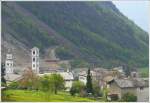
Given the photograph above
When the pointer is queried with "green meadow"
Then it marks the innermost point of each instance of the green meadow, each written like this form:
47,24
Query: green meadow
39,96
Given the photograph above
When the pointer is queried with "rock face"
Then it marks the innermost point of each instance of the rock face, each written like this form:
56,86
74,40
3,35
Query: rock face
95,32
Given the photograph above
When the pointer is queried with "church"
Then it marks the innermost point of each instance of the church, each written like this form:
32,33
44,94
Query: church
40,67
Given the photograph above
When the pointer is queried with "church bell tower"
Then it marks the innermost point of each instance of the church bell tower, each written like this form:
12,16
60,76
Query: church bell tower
35,59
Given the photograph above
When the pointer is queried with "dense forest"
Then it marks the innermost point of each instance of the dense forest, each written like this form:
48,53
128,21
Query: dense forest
85,32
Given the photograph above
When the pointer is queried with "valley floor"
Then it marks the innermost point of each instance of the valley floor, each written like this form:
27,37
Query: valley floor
34,96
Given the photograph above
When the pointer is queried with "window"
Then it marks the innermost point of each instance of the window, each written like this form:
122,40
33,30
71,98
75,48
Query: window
33,52
141,88
134,74
33,65
34,59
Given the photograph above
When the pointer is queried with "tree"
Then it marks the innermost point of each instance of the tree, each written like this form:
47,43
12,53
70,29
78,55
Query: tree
89,87
3,74
45,86
105,93
52,83
127,70
129,97
29,80
96,89
57,82
13,85
77,87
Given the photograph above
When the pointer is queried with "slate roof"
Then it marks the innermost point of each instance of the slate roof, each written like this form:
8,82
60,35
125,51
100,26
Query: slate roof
124,83
65,75
141,82
12,77
128,83
108,78
35,48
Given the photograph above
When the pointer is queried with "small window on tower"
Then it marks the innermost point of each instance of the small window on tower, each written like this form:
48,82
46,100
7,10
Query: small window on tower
33,65
33,52
34,59
7,64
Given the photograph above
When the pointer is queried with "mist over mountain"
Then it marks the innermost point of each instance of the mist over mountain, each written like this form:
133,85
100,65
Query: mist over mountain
89,32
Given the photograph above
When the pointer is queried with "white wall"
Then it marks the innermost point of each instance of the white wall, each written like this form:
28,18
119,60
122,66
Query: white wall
68,84
82,79
143,94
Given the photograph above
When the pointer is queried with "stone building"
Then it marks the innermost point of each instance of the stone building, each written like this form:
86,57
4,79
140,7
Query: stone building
67,76
49,66
10,69
136,86
9,63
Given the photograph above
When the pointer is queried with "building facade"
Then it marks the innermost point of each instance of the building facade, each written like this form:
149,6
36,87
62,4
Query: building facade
137,87
9,64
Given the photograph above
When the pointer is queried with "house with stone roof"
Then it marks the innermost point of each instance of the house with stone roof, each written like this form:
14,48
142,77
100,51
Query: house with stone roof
67,76
137,86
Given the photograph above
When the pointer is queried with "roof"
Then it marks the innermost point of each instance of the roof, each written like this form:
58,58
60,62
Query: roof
84,73
65,75
35,48
13,77
128,83
141,82
108,78
124,83
2,88
50,60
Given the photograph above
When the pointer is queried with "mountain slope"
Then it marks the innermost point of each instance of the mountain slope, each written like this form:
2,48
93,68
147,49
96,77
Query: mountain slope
95,32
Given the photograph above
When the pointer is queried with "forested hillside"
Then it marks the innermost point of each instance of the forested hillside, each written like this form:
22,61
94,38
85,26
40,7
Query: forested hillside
85,32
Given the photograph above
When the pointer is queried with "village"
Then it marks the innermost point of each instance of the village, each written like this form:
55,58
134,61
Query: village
113,81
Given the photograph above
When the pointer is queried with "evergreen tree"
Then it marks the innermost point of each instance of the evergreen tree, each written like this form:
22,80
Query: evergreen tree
89,87
127,69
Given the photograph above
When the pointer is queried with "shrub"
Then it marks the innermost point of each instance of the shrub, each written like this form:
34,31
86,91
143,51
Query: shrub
83,93
72,91
114,97
52,83
13,85
129,97
77,87
29,80
96,89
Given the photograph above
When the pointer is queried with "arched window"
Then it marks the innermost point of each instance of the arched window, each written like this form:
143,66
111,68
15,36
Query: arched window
33,52
33,59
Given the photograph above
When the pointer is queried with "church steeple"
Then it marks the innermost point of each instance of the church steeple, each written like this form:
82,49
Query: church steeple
35,59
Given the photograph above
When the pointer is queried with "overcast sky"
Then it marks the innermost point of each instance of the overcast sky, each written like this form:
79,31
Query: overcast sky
137,11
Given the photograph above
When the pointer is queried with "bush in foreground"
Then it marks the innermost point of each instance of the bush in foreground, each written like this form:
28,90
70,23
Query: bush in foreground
77,88
129,97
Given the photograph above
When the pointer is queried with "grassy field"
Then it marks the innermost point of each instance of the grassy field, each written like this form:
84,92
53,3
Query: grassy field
144,72
34,96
